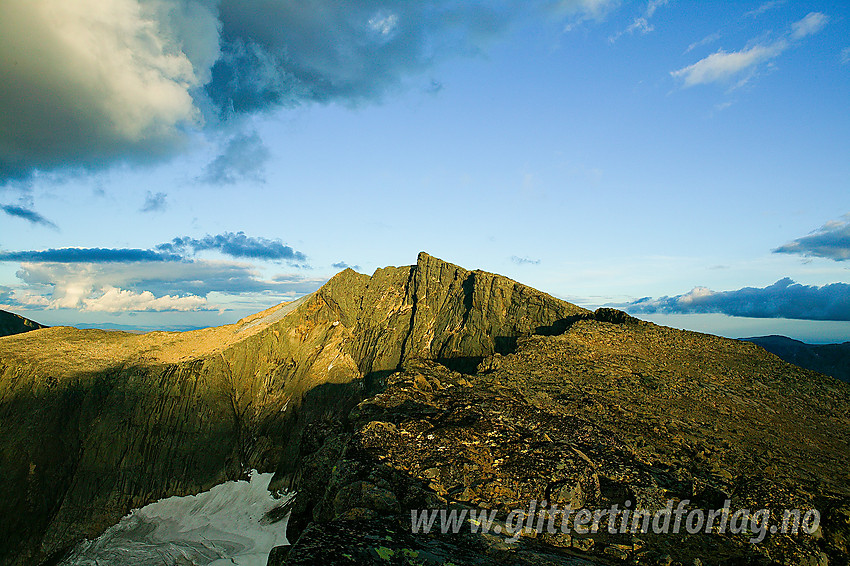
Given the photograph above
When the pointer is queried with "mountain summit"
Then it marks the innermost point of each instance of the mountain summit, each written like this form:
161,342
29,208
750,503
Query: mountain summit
96,423
426,387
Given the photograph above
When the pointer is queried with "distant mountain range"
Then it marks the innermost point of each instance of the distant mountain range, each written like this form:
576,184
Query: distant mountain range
830,359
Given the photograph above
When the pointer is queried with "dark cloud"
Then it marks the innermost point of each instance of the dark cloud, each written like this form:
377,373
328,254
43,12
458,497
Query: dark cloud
27,214
343,265
236,245
283,53
243,158
90,255
524,260
831,241
154,202
783,299
132,84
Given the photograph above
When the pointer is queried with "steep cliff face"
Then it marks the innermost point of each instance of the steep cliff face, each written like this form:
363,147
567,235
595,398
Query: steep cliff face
95,423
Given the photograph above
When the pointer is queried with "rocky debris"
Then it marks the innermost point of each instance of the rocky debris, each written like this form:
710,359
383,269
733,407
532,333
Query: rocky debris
614,410
11,323
96,423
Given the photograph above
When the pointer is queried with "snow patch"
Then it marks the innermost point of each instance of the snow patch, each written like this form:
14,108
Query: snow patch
225,525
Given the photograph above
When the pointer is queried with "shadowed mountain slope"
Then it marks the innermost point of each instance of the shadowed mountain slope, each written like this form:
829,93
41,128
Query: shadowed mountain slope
829,359
11,323
96,423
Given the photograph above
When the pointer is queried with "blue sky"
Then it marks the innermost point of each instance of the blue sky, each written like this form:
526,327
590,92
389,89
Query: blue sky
207,159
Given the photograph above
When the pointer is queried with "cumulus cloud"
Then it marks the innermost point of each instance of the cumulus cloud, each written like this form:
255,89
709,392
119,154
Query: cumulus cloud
524,260
243,158
154,202
121,300
783,299
144,286
831,241
739,66
89,83
236,245
27,214
94,81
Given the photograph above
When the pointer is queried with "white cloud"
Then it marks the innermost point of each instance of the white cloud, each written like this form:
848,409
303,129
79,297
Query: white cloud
653,6
811,24
845,56
641,24
383,24
150,286
723,66
122,300
704,41
86,287
767,6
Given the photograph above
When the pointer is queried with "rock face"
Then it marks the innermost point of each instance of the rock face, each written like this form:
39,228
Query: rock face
11,323
96,423
605,413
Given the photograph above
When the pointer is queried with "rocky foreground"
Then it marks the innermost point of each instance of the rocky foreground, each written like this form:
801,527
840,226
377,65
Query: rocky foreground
610,411
425,387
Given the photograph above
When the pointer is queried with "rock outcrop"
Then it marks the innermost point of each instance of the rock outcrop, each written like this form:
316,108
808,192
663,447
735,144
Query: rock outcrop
96,423
620,413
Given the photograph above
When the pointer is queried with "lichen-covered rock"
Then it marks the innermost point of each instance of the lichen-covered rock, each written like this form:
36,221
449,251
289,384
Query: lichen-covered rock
625,413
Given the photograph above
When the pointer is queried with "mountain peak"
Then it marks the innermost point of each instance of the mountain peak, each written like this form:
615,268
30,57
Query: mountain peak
223,400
